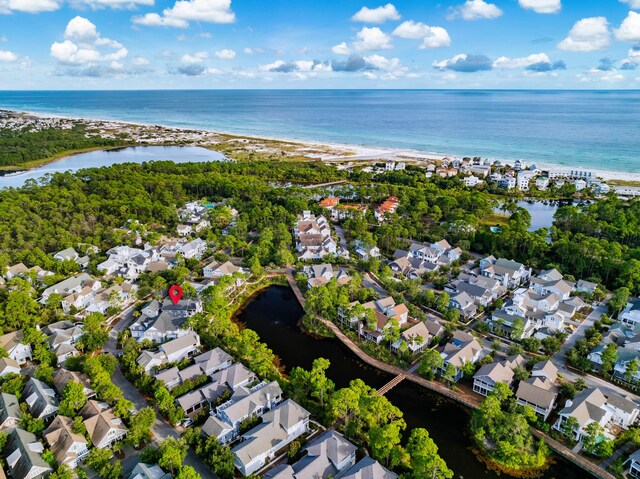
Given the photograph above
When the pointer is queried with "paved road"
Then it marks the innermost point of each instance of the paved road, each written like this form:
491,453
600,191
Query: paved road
161,429
369,282
592,381
343,239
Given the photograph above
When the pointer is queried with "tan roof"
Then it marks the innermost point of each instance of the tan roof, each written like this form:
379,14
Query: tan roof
11,340
538,392
99,420
60,436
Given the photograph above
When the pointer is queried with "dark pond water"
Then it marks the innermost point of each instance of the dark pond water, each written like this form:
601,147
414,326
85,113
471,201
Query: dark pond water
96,159
274,314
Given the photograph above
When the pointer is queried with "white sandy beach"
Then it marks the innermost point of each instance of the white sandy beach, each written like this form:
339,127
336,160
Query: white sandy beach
336,152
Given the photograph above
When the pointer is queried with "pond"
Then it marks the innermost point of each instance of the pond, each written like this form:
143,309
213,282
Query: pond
274,314
542,212
96,159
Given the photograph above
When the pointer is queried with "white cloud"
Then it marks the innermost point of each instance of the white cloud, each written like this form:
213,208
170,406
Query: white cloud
83,45
225,54
376,15
28,6
194,58
587,35
476,10
117,4
185,11
598,75
511,63
629,30
7,56
140,61
341,49
541,6
370,39
388,68
632,3
432,37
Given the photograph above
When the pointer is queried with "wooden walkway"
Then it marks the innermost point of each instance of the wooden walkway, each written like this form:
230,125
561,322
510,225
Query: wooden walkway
470,401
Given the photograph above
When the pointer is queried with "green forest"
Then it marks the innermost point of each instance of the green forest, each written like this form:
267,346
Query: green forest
597,242
19,146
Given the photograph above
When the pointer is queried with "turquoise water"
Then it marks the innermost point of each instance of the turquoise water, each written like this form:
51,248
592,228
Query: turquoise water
587,129
96,159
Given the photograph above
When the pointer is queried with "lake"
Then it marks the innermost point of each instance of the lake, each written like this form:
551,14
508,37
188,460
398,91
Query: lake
96,159
274,314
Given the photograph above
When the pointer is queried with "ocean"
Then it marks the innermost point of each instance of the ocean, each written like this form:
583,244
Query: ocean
581,129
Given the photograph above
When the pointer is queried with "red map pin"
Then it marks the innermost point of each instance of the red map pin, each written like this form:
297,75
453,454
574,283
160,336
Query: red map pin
175,293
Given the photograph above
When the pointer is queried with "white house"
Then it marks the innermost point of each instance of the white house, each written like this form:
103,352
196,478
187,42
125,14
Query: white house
67,447
104,427
280,426
17,350
24,456
631,313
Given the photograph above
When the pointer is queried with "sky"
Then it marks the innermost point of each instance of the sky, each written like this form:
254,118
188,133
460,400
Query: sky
192,44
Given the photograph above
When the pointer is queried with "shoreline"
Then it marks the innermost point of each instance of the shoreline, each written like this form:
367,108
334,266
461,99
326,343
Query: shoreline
339,152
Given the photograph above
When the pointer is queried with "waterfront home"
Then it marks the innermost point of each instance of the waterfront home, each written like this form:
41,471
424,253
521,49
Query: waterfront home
104,427
67,447
216,269
13,343
368,468
321,274
591,405
365,251
148,471
539,391
510,273
415,339
542,183
40,398
631,313
385,310
62,376
10,413
325,457
23,454
539,394
9,366
486,378
245,403
280,426
461,349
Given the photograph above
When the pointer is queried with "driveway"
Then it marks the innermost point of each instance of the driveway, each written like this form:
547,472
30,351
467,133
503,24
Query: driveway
161,429
340,233
369,282
592,381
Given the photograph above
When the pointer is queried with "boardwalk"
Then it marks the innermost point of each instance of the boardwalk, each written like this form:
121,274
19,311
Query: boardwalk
470,401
